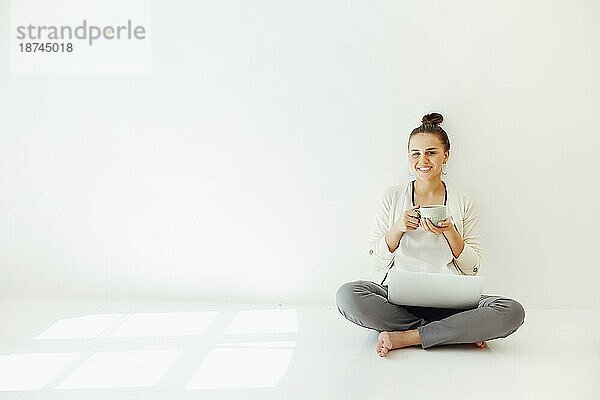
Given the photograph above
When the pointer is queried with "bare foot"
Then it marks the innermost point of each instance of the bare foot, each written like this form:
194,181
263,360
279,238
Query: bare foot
481,345
396,340
384,344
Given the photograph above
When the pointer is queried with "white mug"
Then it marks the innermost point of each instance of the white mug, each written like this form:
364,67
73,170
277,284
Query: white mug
435,213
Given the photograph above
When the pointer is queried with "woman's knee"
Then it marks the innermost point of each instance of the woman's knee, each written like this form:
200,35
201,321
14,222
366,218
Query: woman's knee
348,294
519,311
515,315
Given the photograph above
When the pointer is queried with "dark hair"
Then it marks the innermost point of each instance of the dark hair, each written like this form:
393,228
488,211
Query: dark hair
430,124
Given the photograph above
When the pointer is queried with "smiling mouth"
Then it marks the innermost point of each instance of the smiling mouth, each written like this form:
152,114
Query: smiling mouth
425,169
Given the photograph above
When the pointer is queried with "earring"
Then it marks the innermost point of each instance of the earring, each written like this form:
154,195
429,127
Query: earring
444,169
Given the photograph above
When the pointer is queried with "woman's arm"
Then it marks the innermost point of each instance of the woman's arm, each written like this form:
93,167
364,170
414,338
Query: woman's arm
379,252
392,238
471,257
456,242
467,251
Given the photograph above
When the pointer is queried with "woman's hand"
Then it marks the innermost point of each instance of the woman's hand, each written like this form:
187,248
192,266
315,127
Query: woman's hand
409,221
444,226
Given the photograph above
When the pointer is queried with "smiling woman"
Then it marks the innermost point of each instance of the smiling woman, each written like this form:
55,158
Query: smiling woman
404,240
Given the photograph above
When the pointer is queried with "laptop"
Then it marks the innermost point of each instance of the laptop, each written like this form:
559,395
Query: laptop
439,290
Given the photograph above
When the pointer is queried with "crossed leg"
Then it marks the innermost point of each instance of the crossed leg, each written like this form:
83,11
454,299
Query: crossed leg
365,303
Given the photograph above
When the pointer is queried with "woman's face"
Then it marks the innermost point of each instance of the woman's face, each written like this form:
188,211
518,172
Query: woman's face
426,156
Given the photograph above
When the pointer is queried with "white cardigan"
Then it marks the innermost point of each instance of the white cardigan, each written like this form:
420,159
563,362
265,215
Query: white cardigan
465,216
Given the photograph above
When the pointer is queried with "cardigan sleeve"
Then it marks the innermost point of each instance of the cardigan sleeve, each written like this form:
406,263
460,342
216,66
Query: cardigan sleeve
471,258
380,256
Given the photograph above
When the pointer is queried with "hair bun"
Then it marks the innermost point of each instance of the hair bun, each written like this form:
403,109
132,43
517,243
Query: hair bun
433,118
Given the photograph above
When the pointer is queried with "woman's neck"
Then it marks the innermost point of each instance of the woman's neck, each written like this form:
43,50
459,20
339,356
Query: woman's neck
429,188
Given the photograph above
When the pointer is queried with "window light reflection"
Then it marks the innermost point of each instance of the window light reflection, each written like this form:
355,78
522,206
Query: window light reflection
119,369
264,321
241,367
32,371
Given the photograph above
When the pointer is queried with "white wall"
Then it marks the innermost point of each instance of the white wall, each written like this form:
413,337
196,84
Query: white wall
248,164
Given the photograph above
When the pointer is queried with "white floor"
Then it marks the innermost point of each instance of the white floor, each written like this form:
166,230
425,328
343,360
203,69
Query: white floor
58,349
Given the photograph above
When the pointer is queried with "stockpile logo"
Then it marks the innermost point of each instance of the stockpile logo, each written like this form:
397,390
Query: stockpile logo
86,32
59,37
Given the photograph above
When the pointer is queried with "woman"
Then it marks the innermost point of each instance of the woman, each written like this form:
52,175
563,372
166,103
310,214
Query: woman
402,239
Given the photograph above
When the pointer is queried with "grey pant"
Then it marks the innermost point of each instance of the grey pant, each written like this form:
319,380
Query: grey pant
365,303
